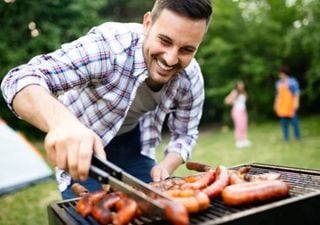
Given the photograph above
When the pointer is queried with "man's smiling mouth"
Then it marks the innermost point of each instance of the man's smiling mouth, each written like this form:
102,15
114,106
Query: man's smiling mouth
163,66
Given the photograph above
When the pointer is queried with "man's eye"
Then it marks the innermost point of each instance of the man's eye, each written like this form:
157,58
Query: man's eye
165,42
188,51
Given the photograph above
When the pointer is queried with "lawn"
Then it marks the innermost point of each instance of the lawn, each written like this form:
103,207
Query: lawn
215,146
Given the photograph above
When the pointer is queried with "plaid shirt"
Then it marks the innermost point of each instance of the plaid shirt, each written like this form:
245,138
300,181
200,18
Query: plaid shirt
97,77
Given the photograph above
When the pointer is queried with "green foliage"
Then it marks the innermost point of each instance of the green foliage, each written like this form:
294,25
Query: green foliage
29,28
247,39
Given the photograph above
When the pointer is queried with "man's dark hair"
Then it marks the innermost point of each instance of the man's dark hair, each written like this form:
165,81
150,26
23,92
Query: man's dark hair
284,69
194,9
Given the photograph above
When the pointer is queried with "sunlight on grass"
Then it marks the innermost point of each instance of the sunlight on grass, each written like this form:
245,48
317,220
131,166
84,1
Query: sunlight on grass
216,147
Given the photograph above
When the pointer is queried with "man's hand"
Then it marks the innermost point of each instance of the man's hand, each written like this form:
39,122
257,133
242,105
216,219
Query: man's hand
166,167
70,147
159,173
69,144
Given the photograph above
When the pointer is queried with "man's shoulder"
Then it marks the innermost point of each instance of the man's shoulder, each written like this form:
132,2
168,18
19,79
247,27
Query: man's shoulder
192,73
117,28
119,31
193,68
292,78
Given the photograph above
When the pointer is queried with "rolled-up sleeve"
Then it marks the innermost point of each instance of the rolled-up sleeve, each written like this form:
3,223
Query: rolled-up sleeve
72,66
184,120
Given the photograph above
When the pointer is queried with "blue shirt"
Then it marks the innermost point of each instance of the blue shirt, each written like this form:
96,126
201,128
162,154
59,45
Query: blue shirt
292,83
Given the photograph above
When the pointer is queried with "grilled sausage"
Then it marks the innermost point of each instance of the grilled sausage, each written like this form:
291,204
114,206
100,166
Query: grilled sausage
203,200
256,191
101,214
263,176
85,204
169,183
79,190
200,167
191,203
126,210
186,197
194,201
175,212
201,182
235,178
221,181
101,211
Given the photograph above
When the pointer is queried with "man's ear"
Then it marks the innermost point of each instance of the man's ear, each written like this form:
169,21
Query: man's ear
147,22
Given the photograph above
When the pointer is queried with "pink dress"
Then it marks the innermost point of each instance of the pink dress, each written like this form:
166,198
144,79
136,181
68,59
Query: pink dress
240,117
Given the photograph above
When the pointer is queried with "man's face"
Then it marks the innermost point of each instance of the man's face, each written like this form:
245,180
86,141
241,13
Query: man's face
170,44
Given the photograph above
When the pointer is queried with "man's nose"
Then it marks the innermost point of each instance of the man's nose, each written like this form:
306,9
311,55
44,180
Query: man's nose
171,57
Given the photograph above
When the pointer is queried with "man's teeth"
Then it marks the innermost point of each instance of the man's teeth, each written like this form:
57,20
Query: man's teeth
164,67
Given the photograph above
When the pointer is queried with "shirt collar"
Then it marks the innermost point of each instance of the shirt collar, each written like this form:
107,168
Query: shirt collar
140,66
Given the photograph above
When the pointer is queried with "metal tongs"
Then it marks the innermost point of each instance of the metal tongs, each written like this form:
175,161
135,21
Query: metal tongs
108,173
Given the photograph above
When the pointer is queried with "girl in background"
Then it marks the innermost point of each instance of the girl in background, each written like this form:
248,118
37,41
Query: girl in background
237,99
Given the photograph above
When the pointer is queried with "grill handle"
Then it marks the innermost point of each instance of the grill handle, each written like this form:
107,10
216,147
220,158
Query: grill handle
107,167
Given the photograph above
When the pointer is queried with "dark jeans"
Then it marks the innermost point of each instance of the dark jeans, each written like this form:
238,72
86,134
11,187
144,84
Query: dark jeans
124,151
285,127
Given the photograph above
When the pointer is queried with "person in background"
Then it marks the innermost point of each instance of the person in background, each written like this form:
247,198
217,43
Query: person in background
287,101
109,92
237,99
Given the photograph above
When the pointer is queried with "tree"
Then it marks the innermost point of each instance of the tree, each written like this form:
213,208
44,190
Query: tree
249,40
33,27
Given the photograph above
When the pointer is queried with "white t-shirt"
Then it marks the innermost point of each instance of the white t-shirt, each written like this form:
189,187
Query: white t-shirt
240,102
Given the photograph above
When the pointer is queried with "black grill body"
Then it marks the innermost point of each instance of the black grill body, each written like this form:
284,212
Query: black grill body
301,207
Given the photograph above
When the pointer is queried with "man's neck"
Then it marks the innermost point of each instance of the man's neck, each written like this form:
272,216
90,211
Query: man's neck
153,85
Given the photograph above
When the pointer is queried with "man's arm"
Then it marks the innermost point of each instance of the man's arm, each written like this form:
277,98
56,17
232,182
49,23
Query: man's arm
296,103
69,144
166,167
183,123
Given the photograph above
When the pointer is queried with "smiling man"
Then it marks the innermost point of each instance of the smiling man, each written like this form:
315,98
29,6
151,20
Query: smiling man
109,92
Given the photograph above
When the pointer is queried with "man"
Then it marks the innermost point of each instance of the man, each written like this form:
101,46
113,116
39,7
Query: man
115,87
287,101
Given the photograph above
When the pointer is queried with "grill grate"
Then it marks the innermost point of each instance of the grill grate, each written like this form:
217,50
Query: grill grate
303,184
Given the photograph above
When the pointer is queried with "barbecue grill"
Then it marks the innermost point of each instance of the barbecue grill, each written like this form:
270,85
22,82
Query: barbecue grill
301,207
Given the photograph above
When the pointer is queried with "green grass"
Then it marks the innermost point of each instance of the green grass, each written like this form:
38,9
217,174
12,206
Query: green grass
215,147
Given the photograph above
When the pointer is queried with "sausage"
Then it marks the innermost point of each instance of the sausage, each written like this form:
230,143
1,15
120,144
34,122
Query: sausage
244,170
203,200
191,203
101,211
194,201
256,191
126,210
235,178
200,167
186,197
84,205
175,212
101,214
203,181
79,190
167,184
221,181
263,176
238,176
192,178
